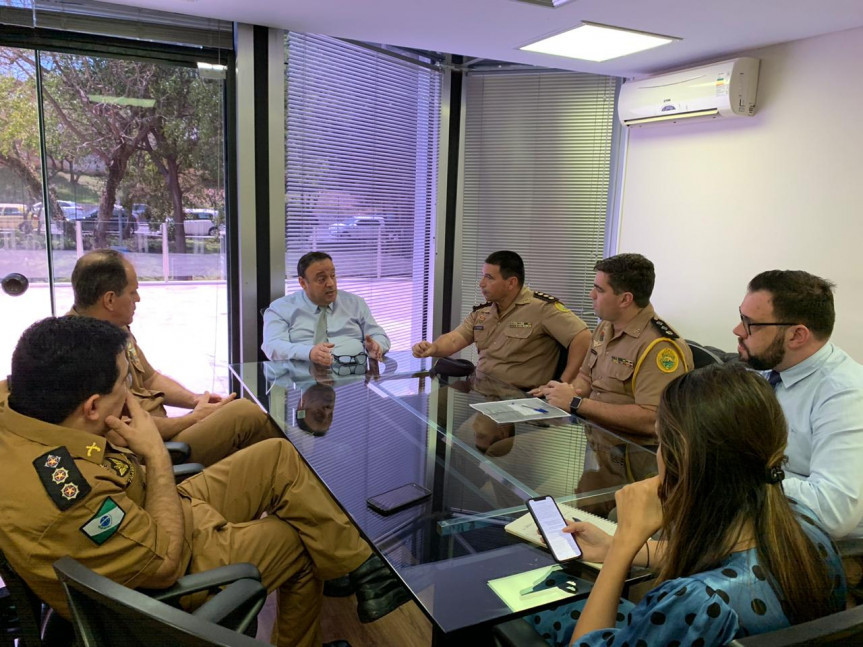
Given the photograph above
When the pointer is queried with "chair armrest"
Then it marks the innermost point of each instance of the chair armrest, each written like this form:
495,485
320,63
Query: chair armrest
516,633
206,581
185,470
179,451
236,607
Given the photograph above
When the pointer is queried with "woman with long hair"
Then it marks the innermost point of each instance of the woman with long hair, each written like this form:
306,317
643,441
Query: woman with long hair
737,557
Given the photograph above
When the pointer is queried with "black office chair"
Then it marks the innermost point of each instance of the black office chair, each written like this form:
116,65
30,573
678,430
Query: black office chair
704,355
842,628
107,614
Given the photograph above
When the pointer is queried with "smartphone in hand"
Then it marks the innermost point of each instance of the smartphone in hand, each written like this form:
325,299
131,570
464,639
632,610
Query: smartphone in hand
551,523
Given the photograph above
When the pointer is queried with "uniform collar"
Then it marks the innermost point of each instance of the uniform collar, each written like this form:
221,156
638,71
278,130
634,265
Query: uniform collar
635,327
524,296
80,444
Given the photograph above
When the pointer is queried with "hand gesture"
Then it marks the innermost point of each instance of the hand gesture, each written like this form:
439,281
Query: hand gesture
373,348
322,353
639,511
214,397
138,432
205,404
422,349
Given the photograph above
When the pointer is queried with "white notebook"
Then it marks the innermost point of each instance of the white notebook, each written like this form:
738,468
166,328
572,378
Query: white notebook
525,527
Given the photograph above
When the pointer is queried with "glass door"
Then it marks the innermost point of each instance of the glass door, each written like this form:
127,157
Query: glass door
24,238
133,155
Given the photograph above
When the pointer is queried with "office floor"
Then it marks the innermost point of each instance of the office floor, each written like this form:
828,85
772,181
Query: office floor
404,627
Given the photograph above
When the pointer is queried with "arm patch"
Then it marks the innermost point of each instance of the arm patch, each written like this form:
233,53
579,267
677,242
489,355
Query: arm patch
61,478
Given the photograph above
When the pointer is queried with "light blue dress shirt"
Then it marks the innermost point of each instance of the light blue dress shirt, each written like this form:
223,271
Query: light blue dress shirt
822,398
290,323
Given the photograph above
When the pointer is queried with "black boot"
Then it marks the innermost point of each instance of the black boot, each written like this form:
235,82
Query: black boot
341,587
379,591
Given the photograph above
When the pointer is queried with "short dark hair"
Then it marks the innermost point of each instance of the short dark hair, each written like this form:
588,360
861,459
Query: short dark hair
510,264
308,259
799,297
629,273
61,361
96,273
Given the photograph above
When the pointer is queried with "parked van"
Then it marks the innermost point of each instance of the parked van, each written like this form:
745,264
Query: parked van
15,216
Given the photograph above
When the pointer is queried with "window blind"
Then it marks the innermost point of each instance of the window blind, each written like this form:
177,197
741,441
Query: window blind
537,157
361,158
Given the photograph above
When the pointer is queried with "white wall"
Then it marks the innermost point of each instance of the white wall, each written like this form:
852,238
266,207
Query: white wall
714,203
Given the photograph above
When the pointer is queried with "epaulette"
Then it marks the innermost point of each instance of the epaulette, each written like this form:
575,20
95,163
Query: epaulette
545,297
664,328
61,478
481,305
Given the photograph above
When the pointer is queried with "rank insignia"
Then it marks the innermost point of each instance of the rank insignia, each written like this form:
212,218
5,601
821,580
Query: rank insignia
102,526
667,360
119,466
520,324
64,485
60,475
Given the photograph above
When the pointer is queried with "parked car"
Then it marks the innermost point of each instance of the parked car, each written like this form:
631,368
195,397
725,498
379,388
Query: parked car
358,227
15,216
201,222
119,224
71,210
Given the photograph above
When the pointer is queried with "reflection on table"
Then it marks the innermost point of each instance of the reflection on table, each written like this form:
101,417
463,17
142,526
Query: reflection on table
364,432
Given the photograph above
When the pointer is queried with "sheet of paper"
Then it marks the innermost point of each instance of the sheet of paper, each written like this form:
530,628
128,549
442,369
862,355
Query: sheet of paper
533,588
520,410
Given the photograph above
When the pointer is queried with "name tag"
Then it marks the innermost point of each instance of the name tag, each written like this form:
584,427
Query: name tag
478,328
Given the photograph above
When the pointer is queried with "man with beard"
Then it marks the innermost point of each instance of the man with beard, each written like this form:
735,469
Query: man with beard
786,320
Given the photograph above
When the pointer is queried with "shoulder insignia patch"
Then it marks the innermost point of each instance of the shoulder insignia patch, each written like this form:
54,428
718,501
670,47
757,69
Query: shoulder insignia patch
667,360
664,328
102,526
118,465
561,307
61,478
481,305
545,297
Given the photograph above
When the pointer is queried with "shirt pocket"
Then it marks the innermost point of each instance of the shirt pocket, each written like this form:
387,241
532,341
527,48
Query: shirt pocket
620,372
516,334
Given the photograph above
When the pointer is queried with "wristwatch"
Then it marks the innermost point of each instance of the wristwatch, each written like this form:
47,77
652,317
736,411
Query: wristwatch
574,404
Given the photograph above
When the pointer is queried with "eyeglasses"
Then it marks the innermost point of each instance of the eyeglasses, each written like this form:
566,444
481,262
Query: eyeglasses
350,364
748,323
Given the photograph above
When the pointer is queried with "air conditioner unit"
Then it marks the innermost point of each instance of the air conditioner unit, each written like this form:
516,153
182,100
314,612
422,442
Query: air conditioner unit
725,89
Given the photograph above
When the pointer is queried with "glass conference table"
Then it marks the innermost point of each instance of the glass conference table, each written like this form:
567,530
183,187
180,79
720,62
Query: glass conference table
365,433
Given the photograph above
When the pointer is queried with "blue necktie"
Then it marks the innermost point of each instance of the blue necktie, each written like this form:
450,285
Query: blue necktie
774,378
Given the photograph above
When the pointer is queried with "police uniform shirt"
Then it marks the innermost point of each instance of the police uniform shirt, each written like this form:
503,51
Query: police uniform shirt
141,371
69,492
635,365
520,346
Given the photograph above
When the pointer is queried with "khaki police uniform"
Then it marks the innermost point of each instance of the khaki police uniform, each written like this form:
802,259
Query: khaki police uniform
520,345
630,367
69,492
235,425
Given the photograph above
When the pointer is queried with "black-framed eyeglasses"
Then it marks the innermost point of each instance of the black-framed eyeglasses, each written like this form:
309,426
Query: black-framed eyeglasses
748,323
349,364
347,360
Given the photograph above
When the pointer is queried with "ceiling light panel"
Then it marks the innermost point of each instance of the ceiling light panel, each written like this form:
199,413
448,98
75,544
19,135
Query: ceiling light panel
593,42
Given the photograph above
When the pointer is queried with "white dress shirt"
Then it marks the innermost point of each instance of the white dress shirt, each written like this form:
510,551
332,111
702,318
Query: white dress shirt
822,398
290,323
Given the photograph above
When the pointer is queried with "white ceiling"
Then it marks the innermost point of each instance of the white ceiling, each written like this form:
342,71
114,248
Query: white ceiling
494,29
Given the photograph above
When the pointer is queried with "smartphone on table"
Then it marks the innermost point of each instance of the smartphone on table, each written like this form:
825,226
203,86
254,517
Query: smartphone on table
550,522
398,498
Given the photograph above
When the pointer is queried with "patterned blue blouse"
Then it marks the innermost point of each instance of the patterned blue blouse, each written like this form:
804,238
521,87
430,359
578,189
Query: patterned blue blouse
710,608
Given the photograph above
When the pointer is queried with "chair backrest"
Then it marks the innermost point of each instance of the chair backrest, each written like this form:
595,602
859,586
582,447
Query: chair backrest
107,614
703,356
842,628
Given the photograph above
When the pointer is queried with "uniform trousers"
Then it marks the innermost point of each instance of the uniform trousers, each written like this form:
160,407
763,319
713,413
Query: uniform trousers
303,540
240,423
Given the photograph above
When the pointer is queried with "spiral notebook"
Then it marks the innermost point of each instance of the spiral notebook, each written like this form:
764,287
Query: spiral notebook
525,527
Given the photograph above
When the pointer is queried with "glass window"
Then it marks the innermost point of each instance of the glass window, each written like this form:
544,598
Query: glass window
361,158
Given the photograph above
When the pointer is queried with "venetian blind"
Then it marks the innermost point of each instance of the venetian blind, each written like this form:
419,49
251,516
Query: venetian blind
537,159
361,159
